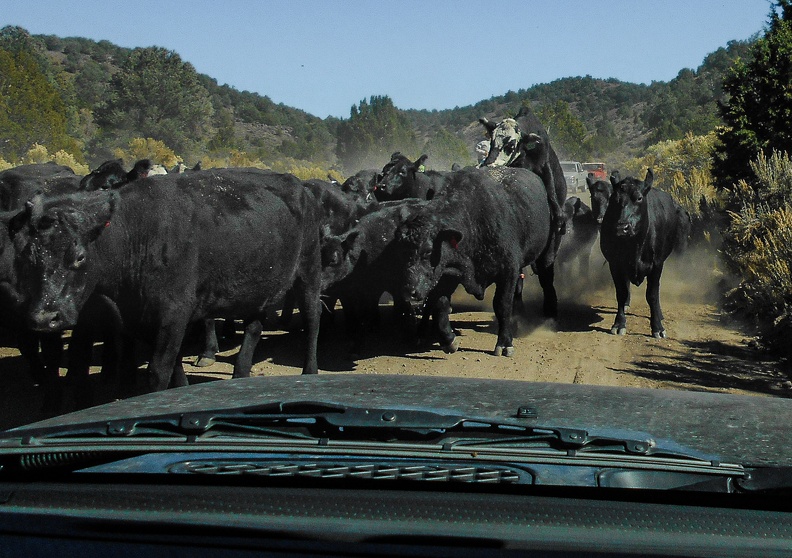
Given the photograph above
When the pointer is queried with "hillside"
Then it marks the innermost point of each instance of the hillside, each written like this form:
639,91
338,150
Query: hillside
588,118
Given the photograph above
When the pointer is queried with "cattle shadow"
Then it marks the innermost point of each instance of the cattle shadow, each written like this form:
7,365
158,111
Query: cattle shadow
714,366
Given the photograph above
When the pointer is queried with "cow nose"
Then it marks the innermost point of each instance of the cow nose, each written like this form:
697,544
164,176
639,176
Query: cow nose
44,320
623,229
599,220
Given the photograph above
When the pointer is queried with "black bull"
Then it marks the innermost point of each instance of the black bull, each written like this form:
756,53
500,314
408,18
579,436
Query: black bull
640,229
173,249
482,229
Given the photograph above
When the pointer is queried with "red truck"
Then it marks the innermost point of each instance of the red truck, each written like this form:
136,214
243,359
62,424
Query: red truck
597,169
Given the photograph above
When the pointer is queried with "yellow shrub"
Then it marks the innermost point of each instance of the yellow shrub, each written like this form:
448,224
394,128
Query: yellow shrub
148,148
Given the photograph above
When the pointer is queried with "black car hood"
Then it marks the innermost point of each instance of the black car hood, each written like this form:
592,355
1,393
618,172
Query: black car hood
749,430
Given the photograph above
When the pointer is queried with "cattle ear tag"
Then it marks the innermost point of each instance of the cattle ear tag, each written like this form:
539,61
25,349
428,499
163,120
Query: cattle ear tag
454,241
107,224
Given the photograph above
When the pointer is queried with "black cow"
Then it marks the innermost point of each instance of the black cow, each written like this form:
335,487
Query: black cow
582,231
43,351
173,249
600,191
111,174
402,178
361,185
482,229
641,227
363,263
523,143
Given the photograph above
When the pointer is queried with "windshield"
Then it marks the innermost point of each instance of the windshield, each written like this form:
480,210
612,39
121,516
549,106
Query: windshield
210,213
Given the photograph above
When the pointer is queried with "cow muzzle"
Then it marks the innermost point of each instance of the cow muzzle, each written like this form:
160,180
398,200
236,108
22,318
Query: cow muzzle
46,321
624,229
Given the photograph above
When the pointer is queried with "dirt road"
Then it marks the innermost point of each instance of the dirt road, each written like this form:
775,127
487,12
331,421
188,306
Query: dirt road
704,351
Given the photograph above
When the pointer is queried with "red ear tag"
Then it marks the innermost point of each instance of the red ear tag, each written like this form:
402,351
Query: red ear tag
107,224
454,242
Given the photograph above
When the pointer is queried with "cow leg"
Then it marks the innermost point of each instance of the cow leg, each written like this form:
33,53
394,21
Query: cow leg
622,285
310,304
546,276
502,304
244,360
164,361
210,346
653,298
440,313
517,305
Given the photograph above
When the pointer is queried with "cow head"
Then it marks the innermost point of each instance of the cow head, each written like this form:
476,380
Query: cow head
431,249
53,238
505,139
398,177
340,253
600,194
511,146
626,215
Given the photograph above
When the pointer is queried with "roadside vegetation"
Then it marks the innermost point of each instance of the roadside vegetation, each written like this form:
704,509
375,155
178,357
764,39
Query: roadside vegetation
716,136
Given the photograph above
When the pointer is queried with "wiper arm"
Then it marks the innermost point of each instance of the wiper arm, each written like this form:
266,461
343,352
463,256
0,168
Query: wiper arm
321,420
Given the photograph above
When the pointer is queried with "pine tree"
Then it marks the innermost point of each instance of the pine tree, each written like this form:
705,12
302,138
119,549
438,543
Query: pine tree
758,113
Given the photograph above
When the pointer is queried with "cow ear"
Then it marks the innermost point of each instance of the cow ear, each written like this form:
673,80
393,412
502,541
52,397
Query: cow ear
101,217
451,236
489,126
648,181
421,160
614,178
530,141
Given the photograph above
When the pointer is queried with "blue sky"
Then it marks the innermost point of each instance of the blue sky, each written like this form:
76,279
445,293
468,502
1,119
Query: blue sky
325,56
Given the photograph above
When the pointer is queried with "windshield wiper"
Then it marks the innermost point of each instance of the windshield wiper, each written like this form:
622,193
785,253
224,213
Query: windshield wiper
322,421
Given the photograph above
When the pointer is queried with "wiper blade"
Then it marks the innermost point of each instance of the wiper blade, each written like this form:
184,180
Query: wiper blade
310,420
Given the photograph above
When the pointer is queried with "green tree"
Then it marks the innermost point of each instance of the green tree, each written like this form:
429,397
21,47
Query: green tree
375,129
758,112
568,134
154,94
31,110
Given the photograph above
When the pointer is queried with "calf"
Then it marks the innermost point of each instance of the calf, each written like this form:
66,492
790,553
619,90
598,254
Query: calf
484,228
640,229
173,249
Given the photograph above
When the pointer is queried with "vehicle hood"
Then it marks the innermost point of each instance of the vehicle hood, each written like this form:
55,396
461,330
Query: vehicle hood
750,430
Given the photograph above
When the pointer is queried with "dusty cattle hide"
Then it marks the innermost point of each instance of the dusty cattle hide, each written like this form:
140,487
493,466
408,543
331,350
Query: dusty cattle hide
174,249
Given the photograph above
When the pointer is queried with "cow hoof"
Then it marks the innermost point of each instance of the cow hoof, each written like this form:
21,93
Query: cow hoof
503,351
204,361
452,347
618,330
659,334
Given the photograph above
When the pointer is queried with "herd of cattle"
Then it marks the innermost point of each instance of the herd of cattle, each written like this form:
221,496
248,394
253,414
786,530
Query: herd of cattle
121,256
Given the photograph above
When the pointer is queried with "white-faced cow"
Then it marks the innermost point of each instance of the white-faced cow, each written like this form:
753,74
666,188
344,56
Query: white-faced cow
640,229
482,229
174,249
